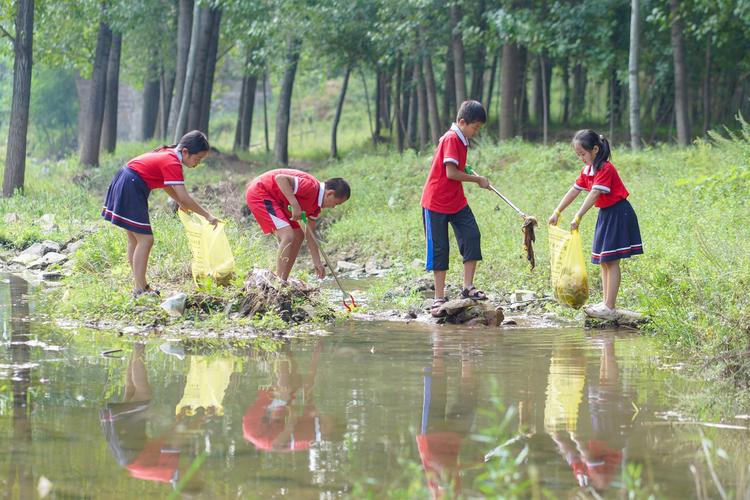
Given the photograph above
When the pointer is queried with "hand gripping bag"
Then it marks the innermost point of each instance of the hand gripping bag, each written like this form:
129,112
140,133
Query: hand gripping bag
570,282
212,255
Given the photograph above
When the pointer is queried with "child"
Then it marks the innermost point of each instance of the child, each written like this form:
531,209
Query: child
443,202
269,197
126,204
617,235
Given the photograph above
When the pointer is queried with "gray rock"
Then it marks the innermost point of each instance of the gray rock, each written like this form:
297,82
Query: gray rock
73,246
522,296
343,265
12,218
51,275
454,306
47,222
47,260
51,246
417,263
175,305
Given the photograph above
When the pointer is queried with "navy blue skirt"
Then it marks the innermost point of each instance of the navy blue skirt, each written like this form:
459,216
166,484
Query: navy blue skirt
617,235
126,204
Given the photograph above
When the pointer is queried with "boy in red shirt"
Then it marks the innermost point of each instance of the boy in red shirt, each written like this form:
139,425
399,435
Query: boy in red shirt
443,203
269,197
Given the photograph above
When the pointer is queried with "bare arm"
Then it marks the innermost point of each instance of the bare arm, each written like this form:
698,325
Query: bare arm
454,174
286,185
312,246
186,202
571,195
587,204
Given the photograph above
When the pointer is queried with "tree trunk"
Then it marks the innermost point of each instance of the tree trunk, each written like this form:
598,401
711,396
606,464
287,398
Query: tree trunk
339,109
707,88
265,112
378,102
15,156
398,111
281,142
566,93
477,74
166,88
545,96
182,115
432,104
635,96
367,101
198,87
457,46
245,113
449,96
411,123
422,121
151,90
93,129
208,83
522,113
109,124
240,115
184,34
509,91
680,76
491,88
579,90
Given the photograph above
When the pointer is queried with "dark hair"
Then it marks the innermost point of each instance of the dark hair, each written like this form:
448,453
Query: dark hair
194,141
587,138
340,188
471,112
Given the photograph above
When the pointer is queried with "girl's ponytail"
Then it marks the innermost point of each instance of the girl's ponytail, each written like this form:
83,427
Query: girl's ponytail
587,138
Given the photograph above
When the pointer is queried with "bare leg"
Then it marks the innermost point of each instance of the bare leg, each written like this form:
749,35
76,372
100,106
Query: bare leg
439,284
605,278
137,387
613,282
131,247
142,250
470,267
290,241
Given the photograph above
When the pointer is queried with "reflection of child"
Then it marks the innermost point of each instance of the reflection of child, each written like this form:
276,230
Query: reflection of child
275,423
442,431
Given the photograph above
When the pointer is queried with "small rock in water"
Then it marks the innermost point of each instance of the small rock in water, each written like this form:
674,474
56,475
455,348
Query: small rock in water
175,305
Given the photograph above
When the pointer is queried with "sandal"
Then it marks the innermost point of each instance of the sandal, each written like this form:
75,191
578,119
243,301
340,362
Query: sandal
473,293
435,308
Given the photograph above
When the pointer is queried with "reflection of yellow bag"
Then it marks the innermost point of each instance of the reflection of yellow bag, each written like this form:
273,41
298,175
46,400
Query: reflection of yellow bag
565,383
207,381
568,269
212,255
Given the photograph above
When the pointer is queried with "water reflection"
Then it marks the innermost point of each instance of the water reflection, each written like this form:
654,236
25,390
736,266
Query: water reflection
20,473
444,428
594,449
284,416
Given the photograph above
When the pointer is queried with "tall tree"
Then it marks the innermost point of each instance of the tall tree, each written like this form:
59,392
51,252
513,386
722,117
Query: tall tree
337,115
201,42
680,74
92,134
184,33
15,156
152,91
211,58
509,77
457,46
111,94
635,96
281,142
181,126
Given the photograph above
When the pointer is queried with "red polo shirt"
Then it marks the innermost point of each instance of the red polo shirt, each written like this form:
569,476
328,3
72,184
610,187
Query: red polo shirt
441,194
159,168
606,180
308,190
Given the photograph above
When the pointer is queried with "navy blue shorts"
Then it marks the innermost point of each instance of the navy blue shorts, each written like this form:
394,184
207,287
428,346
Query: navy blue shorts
436,233
617,235
126,204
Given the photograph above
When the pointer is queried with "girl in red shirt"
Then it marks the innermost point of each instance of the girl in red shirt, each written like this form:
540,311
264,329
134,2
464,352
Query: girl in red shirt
126,204
617,235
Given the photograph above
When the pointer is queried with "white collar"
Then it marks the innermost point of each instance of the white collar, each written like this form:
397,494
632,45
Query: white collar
589,170
179,154
321,193
460,134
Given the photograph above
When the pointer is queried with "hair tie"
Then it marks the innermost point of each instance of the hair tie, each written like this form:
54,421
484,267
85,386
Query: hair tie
601,137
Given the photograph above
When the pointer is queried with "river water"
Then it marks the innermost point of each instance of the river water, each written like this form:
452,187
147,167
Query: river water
376,408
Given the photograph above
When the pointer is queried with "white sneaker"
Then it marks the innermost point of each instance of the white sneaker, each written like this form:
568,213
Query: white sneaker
594,307
603,312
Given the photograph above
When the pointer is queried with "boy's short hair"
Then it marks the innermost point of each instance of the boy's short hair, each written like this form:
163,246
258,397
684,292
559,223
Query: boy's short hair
340,187
471,112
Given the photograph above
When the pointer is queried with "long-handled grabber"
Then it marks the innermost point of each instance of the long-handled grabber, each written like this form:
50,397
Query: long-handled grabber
345,296
529,221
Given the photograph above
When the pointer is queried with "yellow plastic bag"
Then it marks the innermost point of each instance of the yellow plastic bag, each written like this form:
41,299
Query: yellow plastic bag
212,255
570,281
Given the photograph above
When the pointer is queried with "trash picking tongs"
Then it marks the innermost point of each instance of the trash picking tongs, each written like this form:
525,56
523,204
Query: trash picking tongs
529,221
345,296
